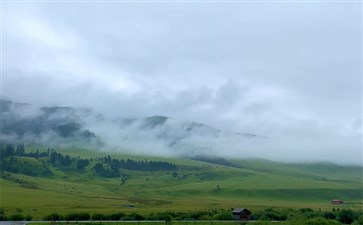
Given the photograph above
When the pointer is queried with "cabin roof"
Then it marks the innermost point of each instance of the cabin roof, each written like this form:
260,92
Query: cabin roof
239,210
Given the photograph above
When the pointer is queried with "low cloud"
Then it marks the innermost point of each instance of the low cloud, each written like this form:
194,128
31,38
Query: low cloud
291,74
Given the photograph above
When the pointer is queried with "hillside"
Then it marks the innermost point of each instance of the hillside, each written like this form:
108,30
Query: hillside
61,181
67,126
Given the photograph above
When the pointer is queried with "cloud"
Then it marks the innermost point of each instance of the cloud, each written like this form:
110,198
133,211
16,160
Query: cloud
274,69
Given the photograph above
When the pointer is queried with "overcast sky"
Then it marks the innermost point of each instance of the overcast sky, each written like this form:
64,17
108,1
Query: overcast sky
284,69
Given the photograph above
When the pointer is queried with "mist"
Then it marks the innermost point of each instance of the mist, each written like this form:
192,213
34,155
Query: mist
167,137
288,73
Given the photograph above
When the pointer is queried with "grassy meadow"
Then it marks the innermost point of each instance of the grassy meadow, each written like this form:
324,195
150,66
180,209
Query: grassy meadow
194,185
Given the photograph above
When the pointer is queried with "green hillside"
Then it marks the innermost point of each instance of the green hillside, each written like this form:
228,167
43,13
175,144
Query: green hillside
38,183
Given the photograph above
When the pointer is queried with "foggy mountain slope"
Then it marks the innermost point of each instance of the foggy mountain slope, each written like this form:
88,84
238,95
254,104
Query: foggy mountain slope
155,135
47,125
181,137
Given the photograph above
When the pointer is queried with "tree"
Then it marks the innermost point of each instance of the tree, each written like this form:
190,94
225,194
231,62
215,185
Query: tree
16,217
9,151
67,161
82,163
98,216
329,215
358,221
20,150
346,216
2,215
223,215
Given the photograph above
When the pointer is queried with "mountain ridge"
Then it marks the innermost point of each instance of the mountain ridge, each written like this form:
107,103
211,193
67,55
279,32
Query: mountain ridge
60,125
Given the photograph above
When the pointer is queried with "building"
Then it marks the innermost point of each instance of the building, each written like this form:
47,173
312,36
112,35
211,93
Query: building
337,202
241,214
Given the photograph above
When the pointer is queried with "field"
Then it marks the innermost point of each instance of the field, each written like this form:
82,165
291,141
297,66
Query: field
194,185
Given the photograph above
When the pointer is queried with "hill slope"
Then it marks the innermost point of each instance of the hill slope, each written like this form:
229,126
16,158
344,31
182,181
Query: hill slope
190,185
66,126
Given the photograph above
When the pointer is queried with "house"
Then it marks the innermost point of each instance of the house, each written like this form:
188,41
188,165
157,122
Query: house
241,214
337,202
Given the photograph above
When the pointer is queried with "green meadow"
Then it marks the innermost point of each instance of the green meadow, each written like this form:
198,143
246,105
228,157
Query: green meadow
194,185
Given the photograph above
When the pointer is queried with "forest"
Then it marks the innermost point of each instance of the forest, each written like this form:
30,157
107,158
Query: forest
11,161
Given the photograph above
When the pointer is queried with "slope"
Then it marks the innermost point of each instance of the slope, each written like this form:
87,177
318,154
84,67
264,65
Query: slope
193,185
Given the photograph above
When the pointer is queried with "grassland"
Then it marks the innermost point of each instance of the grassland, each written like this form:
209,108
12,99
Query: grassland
194,185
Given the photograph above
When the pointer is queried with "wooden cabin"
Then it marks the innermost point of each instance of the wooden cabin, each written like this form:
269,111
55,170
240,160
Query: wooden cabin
241,214
337,202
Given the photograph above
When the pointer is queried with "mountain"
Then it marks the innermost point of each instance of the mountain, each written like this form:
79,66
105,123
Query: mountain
159,135
22,122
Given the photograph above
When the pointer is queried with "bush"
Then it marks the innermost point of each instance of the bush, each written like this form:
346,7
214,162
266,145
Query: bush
307,212
329,215
83,216
28,217
2,215
152,216
71,216
16,217
205,217
136,216
261,222
321,221
223,215
358,221
196,215
53,217
99,216
346,216
127,218
273,214
117,216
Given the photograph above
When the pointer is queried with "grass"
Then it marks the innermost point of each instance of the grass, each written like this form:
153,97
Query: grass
257,184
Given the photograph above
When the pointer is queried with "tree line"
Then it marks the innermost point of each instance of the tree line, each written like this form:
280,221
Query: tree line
103,166
110,167
303,216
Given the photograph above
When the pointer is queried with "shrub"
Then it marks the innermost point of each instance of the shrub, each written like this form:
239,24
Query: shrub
71,216
16,217
53,217
308,213
28,217
127,218
329,215
346,216
2,215
83,216
223,215
152,216
273,214
358,221
261,222
137,216
99,216
205,217
117,216
321,221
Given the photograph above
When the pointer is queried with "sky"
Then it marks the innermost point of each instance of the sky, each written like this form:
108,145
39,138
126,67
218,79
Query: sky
289,71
